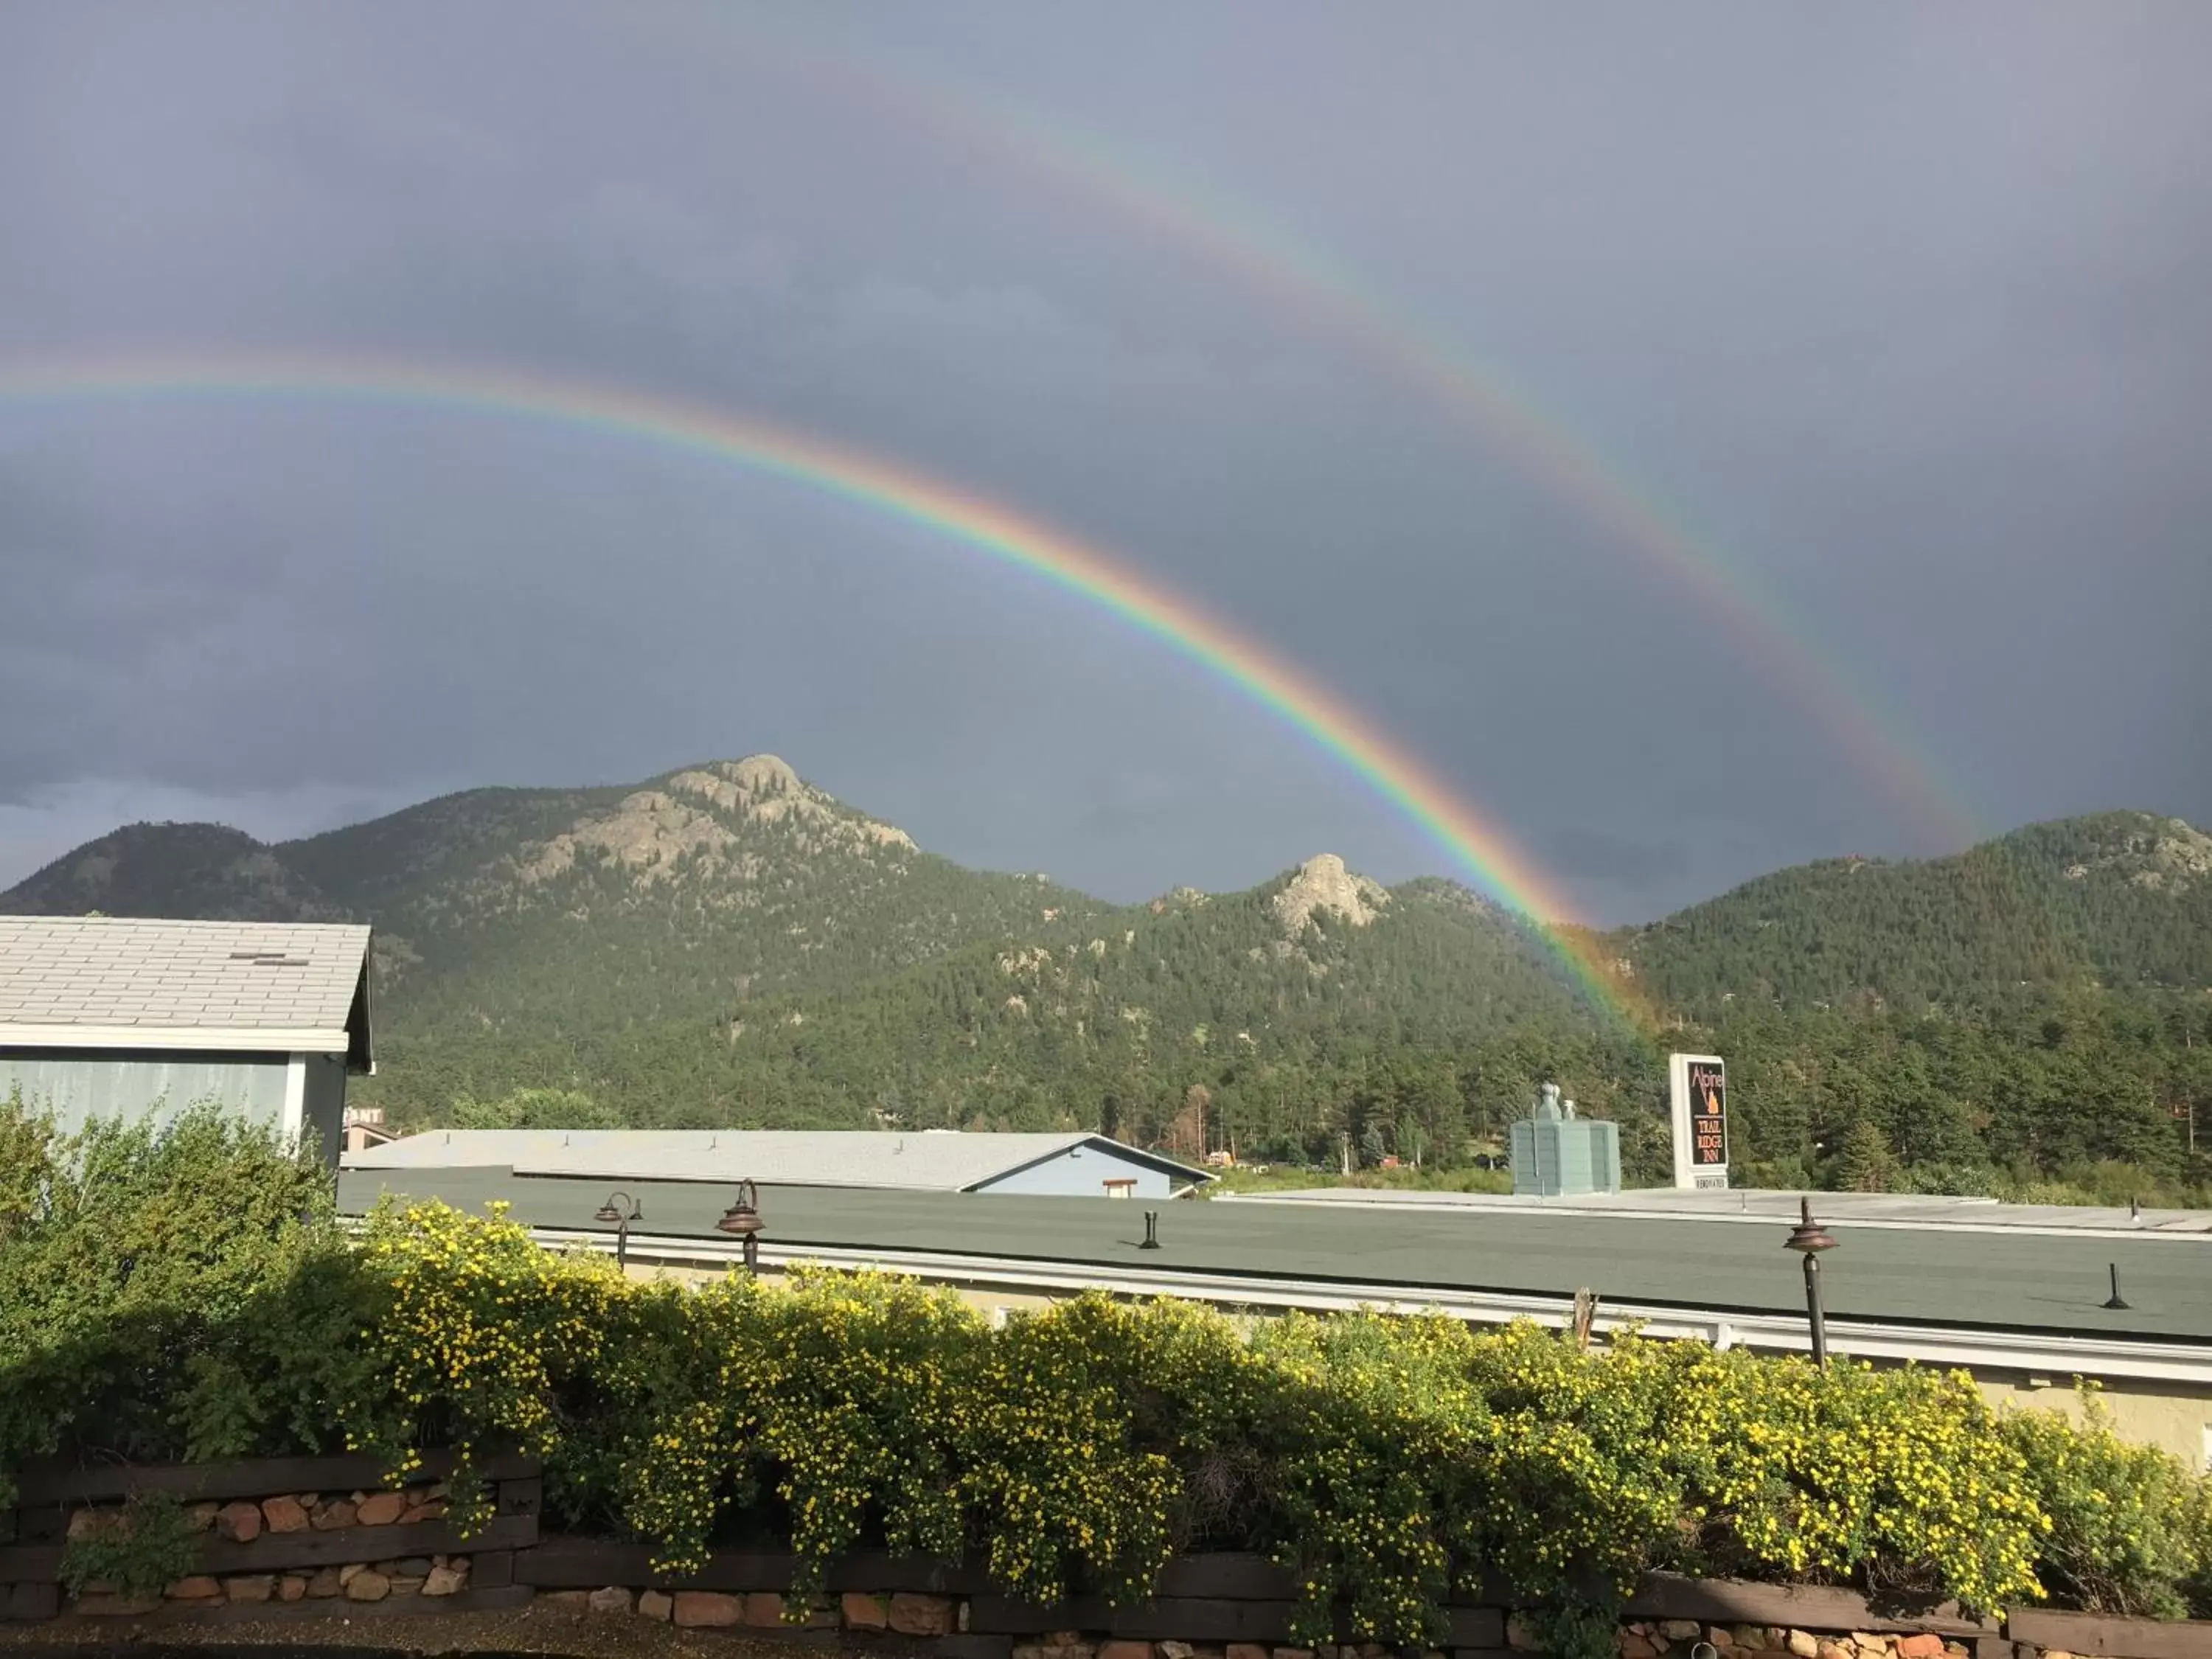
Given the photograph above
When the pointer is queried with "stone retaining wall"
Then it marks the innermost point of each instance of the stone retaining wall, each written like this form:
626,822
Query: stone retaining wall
311,1536
274,1533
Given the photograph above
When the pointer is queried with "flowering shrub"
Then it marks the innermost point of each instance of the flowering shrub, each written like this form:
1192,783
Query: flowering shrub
187,1295
475,1333
1058,1479
2130,1530
829,1393
1077,1448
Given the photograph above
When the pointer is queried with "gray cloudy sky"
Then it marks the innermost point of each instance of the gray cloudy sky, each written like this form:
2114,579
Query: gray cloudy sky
1904,308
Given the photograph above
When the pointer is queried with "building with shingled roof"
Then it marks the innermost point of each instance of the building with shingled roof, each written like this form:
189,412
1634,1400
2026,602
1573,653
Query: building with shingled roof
105,1017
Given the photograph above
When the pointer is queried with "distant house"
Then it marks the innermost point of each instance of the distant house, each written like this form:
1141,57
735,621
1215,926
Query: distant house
109,1016
364,1128
935,1160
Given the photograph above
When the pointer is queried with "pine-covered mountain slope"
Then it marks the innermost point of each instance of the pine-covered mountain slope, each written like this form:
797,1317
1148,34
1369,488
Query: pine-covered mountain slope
2114,899
204,872
726,945
727,937
596,910
1318,966
581,908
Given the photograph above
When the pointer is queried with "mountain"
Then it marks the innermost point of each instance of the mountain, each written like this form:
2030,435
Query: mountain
715,882
202,871
1317,971
728,945
727,941
2112,899
580,906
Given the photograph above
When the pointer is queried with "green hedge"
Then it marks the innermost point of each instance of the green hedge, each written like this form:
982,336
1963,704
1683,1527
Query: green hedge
1073,1450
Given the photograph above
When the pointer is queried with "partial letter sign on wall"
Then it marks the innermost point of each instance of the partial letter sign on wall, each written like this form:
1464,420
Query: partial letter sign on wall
1698,1088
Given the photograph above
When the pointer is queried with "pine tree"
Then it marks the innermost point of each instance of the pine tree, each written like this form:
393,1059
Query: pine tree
1371,1151
1863,1163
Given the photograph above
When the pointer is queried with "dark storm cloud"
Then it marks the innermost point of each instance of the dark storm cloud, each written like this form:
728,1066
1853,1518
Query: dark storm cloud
1577,850
1897,311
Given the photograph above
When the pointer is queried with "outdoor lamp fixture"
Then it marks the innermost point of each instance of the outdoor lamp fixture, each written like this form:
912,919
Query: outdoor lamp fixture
614,1215
743,1220
1807,1238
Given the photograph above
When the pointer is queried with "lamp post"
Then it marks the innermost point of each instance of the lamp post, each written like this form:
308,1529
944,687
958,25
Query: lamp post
618,1216
1807,1238
743,1220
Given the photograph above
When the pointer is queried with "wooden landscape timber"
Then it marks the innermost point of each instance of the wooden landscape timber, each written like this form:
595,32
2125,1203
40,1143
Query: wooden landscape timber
332,1538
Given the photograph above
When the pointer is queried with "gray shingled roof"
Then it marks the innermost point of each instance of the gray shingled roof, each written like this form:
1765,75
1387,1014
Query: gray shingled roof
111,981
939,1160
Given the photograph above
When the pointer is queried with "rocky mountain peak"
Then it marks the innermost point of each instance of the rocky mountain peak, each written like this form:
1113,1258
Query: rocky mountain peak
646,832
762,774
2159,854
1323,883
2172,853
705,812
763,789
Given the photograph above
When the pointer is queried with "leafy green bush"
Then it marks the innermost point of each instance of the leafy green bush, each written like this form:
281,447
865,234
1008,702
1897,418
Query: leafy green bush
185,1295
1076,1448
137,1271
2131,1530
140,1549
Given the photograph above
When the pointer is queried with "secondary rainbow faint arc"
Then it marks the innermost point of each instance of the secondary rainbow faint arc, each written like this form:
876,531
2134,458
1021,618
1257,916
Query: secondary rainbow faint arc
1510,418
1486,851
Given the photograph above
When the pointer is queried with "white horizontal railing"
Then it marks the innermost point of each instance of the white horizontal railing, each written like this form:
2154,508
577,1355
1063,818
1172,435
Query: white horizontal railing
1976,1349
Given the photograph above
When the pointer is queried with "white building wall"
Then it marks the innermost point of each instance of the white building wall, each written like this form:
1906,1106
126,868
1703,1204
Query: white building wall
78,1087
1083,1171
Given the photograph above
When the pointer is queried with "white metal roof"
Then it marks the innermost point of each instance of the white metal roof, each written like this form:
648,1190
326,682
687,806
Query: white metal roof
939,1160
127,982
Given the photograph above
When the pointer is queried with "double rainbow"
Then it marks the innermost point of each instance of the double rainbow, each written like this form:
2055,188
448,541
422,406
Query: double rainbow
1337,302
1481,848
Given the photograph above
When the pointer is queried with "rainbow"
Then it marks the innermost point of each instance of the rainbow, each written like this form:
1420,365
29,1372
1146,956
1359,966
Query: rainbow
1484,850
1330,298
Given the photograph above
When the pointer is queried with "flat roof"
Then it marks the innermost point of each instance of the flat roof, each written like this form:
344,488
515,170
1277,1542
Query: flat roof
947,1160
1764,1208
2021,1281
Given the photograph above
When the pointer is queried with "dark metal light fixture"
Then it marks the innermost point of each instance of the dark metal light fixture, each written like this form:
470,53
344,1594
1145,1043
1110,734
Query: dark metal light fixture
743,1221
614,1215
1807,1238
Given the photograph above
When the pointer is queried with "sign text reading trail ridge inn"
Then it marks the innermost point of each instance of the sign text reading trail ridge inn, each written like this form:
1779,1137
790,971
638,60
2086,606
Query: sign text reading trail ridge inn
1698,1088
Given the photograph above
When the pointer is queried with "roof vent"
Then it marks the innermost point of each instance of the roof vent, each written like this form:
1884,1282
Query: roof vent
268,958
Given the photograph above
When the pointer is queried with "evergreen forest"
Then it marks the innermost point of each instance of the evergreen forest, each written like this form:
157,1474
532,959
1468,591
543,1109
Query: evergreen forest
729,946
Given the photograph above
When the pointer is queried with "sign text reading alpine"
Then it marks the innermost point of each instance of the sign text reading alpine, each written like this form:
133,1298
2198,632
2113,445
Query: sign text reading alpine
1708,1113
1697,1091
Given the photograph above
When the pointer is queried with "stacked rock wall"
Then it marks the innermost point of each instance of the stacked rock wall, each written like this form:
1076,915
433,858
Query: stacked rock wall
271,1533
309,1536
